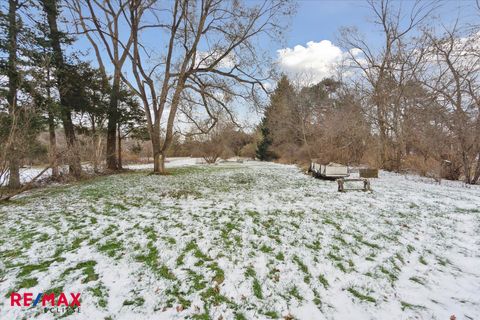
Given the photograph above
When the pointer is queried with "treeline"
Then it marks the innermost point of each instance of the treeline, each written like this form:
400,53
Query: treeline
314,122
412,104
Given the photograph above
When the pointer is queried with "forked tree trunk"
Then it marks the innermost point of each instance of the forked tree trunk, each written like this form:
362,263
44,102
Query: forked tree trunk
156,162
159,163
163,157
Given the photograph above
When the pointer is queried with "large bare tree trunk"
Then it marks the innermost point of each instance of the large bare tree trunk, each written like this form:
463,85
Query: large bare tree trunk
13,79
73,156
157,161
163,157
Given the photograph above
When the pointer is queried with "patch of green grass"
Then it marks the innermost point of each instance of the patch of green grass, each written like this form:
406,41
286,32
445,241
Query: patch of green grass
257,289
341,267
333,256
180,259
315,245
266,249
178,297
301,265
340,239
360,239
212,296
87,268
27,283
164,272
137,302
272,314
442,261
76,243
410,248
43,237
109,230
250,272
198,281
43,266
406,305
400,257
219,275
100,292
111,247
202,316
332,223
280,256
183,194
422,260
240,316
295,293
170,240
323,281
361,296
389,274
302,268
417,280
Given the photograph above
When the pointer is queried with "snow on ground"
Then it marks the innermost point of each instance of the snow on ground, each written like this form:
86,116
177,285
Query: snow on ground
170,163
29,173
245,241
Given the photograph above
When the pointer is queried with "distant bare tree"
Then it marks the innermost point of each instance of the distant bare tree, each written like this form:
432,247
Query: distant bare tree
453,76
388,71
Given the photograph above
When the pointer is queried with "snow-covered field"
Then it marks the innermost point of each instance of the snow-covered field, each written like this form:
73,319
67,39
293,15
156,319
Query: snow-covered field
245,241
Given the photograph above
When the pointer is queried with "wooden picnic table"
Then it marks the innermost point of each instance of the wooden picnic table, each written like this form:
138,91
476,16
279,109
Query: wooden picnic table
341,184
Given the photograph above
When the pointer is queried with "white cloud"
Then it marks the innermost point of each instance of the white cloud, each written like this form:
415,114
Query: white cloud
317,60
205,59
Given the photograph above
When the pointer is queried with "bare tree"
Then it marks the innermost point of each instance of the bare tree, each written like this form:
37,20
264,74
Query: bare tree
389,70
452,74
100,22
209,57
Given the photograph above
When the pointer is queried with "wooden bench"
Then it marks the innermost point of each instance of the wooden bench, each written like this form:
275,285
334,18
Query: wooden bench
341,184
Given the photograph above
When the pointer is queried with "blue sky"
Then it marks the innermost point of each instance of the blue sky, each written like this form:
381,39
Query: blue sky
305,46
310,43
320,19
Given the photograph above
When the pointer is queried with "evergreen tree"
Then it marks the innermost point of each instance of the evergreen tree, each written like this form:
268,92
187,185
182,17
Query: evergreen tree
279,125
263,153
65,87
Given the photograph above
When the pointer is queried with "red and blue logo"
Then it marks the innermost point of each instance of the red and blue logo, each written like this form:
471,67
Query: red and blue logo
49,301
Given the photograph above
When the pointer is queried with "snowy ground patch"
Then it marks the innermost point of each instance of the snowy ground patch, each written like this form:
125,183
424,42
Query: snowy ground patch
245,241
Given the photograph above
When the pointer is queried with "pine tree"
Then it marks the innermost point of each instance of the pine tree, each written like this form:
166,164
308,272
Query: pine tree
67,97
263,153
279,125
